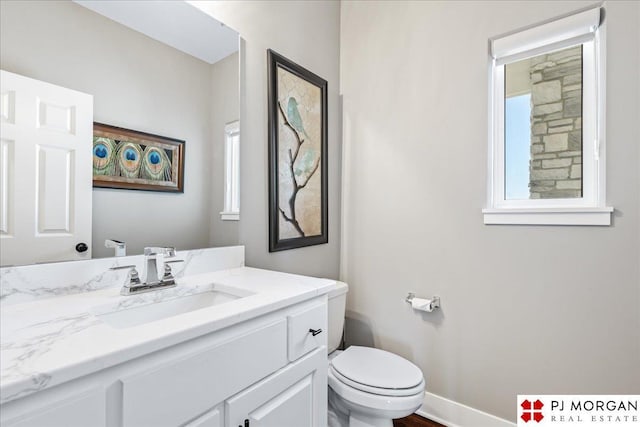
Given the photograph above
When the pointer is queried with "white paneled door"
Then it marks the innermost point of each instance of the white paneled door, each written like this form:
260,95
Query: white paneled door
45,171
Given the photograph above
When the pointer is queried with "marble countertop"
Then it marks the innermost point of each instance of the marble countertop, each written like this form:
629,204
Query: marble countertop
49,341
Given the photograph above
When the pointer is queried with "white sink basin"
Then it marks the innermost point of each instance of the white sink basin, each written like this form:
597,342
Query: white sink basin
148,311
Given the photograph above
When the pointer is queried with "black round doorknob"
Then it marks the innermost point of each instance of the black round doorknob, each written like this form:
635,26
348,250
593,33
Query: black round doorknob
82,247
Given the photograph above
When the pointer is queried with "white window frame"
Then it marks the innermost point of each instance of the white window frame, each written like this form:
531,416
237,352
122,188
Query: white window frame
583,28
231,210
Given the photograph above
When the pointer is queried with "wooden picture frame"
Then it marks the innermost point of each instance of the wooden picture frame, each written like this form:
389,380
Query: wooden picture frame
134,160
298,184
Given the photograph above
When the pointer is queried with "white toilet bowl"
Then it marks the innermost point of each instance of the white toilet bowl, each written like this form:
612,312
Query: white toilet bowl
369,387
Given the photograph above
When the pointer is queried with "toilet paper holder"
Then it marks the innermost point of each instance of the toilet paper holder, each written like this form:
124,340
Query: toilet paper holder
433,302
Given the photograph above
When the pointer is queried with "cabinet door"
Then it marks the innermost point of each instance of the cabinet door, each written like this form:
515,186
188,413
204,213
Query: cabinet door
170,394
82,410
212,418
295,396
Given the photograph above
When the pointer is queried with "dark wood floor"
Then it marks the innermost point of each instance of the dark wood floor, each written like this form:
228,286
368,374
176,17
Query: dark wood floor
415,421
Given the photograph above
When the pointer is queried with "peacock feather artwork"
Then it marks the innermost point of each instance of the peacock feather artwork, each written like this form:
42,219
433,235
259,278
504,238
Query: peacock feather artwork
124,158
104,155
156,165
298,186
128,159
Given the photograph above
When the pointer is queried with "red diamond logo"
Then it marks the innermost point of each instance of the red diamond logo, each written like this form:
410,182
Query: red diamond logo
532,411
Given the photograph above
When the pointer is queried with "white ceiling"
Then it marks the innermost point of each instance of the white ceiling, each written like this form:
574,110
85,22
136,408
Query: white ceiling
175,23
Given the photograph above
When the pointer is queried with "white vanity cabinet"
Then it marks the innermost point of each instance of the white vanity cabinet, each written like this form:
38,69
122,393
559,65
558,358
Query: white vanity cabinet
268,371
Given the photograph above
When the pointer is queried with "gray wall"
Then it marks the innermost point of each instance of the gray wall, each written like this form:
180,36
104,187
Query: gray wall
546,309
225,99
137,83
308,33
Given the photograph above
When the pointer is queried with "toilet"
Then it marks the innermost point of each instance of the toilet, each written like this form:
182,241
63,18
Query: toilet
368,387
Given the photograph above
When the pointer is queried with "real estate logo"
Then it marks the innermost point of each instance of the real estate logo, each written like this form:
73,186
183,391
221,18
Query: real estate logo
579,410
531,410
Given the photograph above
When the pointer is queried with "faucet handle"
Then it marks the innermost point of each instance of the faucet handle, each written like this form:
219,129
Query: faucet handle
168,274
133,278
122,267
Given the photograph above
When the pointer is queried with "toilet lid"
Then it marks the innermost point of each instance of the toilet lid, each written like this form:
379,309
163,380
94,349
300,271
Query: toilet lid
377,368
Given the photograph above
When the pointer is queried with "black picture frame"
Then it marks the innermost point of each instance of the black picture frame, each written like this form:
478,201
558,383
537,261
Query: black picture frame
277,117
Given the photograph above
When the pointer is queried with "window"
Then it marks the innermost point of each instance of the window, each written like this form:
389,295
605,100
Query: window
517,154
231,172
547,163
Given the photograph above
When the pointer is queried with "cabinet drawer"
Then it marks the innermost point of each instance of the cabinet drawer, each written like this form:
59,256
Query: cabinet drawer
172,394
301,339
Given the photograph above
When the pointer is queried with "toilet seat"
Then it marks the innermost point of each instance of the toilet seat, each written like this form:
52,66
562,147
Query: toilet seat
377,371
377,390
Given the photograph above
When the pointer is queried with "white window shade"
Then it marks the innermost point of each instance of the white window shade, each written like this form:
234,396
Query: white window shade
570,30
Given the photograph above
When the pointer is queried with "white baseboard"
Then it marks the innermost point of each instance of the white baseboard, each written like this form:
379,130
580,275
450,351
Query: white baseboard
454,414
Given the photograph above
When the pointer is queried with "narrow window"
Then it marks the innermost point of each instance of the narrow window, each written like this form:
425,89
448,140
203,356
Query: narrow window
231,210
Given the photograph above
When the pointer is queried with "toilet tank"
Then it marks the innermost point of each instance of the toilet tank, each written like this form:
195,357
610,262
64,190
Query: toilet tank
337,305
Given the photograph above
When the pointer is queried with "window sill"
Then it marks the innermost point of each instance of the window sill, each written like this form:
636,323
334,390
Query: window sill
230,216
549,216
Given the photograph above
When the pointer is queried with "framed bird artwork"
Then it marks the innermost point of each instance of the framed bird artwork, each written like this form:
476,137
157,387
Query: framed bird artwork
297,155
133,160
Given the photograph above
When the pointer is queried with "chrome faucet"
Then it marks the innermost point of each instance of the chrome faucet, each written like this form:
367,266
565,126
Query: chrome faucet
154,257
120,247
